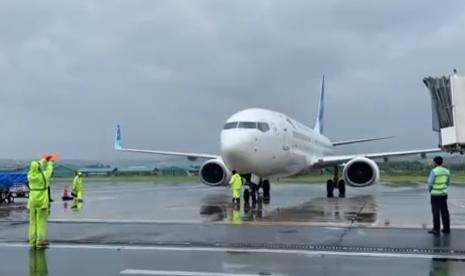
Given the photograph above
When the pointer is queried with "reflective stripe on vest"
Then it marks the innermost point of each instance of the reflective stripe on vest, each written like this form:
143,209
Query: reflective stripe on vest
440,181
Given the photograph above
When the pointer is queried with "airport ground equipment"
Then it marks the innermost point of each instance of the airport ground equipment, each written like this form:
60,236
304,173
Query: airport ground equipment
448,108
12,185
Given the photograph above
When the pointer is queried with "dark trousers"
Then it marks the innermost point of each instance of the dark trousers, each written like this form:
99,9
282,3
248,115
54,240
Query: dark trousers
439,208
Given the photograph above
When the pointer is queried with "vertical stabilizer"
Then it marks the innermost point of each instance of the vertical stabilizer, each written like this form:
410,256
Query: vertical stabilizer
118,139
320,123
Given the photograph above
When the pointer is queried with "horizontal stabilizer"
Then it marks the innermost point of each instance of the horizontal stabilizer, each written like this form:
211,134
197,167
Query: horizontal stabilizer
348,142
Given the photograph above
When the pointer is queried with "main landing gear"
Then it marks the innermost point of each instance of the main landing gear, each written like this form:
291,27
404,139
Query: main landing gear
334,183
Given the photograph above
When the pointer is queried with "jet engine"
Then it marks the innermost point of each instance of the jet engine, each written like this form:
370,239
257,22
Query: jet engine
214,173
361,172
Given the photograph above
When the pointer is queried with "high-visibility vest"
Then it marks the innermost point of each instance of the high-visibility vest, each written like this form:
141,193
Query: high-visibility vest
39,181
440,181
236,181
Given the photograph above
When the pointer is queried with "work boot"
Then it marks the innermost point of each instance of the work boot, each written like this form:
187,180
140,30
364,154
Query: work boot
445,231
32,243
42,244
434,232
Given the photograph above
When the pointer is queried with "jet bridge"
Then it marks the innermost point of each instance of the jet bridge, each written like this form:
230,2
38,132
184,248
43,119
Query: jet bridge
448,108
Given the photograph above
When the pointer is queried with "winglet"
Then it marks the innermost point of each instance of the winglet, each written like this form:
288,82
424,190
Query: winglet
118,139
319,125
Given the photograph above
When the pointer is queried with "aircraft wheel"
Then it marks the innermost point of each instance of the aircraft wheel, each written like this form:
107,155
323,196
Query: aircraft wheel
341,185
253,193
330,188
266,188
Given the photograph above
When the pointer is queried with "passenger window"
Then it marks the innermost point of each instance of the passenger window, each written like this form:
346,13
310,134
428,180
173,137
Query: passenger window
263,127
230,125
247,125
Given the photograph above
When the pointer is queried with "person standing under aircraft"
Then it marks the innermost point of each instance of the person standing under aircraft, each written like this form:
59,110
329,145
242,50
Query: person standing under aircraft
236,185
77,187
39,201
438,181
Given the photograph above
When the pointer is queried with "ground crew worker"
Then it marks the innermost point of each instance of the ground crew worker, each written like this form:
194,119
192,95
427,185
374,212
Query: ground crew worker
438,181
77,187
236,184
38,202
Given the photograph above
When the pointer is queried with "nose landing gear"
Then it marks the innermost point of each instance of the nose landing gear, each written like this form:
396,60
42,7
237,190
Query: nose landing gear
252,191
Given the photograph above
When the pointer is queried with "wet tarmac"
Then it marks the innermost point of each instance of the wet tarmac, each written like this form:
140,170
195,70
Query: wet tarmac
190,229
376,206
110,261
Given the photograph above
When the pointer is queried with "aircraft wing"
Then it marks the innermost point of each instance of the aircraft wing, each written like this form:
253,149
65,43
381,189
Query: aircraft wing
348,142
190,155
339,159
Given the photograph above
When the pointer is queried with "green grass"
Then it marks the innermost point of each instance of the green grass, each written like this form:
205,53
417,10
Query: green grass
388,178
397,178
116,179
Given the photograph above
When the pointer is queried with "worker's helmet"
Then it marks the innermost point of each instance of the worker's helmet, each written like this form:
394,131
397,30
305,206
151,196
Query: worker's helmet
79,173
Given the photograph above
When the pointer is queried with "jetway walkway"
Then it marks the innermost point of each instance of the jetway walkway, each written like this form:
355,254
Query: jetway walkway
448,110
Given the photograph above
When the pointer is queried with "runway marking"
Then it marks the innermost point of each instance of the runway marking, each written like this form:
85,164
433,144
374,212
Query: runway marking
459,257
182,273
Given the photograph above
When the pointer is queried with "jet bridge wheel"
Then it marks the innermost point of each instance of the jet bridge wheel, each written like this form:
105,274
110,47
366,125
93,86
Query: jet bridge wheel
330,188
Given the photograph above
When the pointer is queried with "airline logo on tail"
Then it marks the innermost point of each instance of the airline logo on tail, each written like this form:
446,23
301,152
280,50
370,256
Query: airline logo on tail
319,125
118,140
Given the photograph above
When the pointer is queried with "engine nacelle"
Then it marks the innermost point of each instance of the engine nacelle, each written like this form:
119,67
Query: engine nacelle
361,172
214,173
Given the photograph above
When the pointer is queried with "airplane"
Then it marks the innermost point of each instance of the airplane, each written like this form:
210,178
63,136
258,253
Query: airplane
268,145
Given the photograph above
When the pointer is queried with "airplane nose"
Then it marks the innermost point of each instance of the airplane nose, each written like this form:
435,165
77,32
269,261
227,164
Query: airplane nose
237,150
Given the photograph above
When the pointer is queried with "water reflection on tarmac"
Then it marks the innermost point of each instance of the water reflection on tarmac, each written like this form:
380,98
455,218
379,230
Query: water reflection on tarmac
380,205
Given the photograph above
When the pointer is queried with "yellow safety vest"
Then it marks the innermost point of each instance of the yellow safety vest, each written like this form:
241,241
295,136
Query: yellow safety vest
441,180
236,182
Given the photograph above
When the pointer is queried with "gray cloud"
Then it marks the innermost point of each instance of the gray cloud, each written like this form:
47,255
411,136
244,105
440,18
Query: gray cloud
171,72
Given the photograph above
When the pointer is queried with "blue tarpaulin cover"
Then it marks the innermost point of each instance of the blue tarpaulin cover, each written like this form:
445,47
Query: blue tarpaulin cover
9,179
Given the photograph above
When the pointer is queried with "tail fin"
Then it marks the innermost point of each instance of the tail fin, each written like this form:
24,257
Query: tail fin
118,139
320,122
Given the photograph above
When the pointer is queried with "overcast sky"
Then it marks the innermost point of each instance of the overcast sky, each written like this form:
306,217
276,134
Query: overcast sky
171,72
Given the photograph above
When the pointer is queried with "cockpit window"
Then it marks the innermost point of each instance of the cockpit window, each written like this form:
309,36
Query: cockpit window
247,125
230,125
291,123
263,127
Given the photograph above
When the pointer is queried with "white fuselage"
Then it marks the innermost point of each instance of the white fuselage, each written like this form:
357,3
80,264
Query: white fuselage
270,144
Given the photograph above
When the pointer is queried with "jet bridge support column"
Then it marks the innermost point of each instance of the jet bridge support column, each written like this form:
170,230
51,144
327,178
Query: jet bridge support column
448,109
